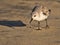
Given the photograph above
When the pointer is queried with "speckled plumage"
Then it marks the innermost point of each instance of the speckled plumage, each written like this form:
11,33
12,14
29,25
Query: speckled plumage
40,13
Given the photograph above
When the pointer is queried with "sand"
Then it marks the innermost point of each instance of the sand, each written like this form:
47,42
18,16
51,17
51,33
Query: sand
15,28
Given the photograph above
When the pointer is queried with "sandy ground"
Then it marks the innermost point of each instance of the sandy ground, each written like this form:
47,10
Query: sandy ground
14,23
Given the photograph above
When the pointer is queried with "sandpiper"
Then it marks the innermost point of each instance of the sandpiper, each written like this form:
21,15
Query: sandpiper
40,13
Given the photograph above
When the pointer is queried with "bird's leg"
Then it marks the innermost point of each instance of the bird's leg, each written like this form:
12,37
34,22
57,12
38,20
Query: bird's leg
47,26
39,26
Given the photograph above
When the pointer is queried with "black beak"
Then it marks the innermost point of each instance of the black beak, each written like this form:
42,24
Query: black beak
31,20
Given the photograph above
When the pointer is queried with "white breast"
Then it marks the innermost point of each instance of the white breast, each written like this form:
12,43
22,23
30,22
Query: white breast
40,17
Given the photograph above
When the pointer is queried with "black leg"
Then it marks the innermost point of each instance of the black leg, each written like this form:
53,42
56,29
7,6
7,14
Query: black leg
47,26
38,26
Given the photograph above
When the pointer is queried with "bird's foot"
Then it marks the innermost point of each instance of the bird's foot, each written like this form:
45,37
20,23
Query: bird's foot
39,28
47,26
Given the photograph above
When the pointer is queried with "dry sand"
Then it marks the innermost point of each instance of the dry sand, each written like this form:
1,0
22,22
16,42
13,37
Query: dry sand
14,23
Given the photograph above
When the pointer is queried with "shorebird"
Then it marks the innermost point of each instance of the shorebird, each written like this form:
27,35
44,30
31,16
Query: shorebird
40,13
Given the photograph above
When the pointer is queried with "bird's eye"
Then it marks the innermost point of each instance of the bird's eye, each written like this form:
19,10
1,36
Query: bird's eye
44,13
34,15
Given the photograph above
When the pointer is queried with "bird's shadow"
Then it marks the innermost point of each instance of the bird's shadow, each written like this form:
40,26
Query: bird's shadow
12,23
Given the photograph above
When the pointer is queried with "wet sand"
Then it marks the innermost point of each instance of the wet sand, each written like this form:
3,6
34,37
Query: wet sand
15,28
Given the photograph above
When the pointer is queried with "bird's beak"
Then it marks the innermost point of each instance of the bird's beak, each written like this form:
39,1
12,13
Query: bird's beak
31,20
